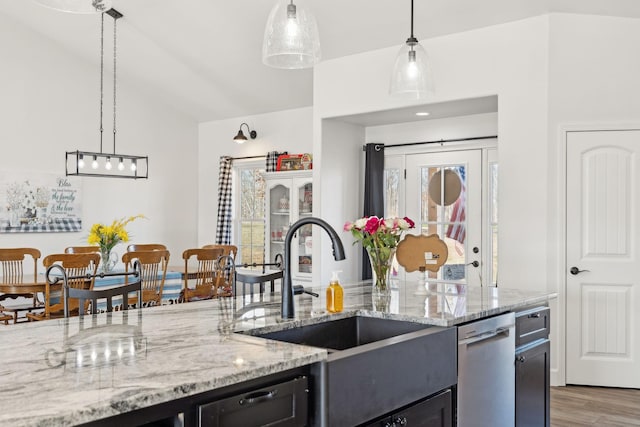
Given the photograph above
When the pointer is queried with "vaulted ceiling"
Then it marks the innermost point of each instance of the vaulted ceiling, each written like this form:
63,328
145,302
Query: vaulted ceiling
204,56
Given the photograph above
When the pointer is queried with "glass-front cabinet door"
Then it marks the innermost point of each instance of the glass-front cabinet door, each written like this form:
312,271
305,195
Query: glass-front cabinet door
289,198
303,189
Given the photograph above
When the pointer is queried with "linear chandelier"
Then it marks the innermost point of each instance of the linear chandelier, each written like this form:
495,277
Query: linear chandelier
77,6
103,164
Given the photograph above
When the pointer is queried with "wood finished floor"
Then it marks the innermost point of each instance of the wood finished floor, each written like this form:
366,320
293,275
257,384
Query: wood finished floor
573,406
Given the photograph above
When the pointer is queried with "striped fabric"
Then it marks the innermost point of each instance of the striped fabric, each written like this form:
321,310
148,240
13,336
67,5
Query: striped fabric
57,225
272,160
456,230
223,229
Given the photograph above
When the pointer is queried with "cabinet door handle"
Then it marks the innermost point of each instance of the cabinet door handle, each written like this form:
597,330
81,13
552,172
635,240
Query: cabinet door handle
520,359
258,396
400,421
534,316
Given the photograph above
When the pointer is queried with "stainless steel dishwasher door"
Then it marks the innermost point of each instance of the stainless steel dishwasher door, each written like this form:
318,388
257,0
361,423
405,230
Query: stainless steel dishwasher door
486,373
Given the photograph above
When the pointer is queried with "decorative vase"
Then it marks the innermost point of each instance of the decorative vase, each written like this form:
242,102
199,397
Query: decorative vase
381,260
108,260
14,219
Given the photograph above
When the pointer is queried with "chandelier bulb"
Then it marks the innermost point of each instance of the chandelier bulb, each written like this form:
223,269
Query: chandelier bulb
108,165
121,164
94,163
81,161
133,165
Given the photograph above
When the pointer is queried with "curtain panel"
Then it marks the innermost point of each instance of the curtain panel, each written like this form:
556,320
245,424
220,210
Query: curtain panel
373,192
225,199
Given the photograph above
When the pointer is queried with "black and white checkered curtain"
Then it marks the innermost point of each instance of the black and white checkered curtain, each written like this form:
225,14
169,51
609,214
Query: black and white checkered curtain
272,160
223,229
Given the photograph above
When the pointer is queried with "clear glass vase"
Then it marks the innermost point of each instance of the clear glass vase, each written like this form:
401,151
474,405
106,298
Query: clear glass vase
381,260
108,260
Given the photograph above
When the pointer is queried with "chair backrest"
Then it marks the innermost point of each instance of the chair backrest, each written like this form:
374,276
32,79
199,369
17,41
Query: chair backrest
12,261
75,271
230,250
135,247
94,295
153,268
81,249
225,284
206,275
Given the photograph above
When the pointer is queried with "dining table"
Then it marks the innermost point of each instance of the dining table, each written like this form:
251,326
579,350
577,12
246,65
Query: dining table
29,287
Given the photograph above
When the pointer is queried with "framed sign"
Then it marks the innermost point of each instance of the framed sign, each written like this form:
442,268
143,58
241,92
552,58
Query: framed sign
37,203
294,162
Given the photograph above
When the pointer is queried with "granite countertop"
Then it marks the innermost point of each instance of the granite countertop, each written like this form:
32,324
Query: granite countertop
70,371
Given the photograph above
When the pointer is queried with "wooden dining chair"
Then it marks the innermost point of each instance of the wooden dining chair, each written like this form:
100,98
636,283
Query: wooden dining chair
76,267
13,264
81,249
230,250
206,275
153,267
134,247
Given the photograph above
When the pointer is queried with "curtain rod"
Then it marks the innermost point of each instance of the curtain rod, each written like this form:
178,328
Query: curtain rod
441,141
248,157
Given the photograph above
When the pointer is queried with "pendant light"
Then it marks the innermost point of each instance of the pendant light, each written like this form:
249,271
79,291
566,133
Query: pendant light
410,72
291,39
77,6
101,162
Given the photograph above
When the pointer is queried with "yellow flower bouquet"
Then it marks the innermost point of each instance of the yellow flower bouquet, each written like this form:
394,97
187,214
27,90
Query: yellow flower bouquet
108,236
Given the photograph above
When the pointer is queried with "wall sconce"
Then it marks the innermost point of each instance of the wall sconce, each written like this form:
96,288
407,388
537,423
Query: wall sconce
240,138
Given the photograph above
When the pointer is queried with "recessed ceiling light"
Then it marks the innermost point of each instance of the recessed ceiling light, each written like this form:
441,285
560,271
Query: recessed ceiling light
422,113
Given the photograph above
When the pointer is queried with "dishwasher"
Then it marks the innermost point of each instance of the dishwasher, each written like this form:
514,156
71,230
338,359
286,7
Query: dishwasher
486,373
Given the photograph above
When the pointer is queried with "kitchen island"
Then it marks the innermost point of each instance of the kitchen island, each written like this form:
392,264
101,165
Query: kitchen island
74,371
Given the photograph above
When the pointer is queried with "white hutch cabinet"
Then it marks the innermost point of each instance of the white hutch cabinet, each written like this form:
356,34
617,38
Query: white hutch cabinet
289,197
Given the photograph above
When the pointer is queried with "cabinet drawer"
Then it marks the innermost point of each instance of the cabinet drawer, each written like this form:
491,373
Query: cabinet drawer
283,404
431,412
531,325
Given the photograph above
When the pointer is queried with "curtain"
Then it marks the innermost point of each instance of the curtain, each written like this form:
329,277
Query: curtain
373,192
272,160
223,229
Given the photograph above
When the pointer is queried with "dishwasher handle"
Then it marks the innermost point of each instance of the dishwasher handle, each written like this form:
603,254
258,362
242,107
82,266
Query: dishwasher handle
485,336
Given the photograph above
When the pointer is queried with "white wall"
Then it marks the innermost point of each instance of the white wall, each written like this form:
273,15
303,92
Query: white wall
433,130
509,61
289,130
49,104
593,83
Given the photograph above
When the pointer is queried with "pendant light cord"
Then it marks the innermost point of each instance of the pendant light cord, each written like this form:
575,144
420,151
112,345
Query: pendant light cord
115,21
101,75
412,36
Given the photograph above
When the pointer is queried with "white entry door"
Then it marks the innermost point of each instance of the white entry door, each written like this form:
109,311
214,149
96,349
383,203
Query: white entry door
603,269
443,196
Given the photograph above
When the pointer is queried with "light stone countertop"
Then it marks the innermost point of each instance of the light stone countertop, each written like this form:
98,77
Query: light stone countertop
65,372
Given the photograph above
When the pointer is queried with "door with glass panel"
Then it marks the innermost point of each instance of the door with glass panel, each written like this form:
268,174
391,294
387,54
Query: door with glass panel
443,196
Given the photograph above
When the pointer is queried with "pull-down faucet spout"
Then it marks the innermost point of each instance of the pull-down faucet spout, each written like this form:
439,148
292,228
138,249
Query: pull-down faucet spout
288,310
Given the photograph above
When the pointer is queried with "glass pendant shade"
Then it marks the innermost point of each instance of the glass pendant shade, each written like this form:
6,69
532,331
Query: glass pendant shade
77,6
291,39
410,75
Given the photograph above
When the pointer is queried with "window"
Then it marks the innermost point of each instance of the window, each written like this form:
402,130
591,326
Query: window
249,212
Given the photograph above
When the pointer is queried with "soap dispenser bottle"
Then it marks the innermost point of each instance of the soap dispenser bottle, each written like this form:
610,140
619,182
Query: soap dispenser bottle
335,294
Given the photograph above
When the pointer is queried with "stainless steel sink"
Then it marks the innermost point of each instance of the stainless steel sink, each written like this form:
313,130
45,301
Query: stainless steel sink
374,365
344,333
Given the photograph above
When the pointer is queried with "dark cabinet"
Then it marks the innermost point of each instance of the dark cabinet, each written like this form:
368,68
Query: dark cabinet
283,404
435,411
532,368
532,385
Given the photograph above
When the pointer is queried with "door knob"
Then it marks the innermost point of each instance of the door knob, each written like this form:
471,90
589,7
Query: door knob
475,264
576,270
